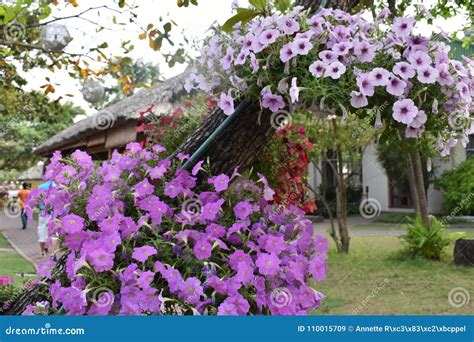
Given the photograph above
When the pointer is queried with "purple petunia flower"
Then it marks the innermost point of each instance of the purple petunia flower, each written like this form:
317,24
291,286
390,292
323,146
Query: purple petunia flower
364,51
273,102
396,86
144,188
404,70
335,70
294,91
427,74
358,100
315,24
419,120
403,26
419,59
327,56
288,25
197,168
275,244
444,76
227,60
302,46
101,260
226,103
237,257
317,68
341,48
243,210
143,253
202,249
254,63
412,132
191,290
220,182
287,52
318,267
248,42
268,264
241,57
365,84
379,76
268,37
404,111
72,223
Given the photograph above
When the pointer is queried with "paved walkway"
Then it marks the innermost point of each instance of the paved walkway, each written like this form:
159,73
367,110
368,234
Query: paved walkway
388,229
25,241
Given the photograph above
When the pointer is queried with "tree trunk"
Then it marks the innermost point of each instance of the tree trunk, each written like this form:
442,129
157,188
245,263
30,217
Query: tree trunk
341,203
420,189
332,229
412,185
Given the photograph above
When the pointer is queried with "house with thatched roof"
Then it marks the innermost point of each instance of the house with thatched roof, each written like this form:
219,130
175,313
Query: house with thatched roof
115,126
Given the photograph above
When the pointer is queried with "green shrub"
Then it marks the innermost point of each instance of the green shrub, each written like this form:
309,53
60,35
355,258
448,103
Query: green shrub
423,242
457,186
7,293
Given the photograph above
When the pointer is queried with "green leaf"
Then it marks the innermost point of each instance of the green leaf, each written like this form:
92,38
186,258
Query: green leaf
259,4
167,27
244,15
282,5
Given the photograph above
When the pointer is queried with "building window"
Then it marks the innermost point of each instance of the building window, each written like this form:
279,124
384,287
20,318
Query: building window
470,147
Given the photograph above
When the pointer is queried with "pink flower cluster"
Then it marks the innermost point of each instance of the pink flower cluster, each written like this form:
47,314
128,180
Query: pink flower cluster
143,236
341,61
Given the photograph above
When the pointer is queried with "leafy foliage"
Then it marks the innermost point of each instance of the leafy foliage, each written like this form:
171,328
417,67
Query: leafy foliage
426,243
26,120
457,186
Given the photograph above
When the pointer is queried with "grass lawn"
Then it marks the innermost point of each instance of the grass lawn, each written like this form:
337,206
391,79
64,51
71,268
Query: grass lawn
402,218
377,279
12,264
3,242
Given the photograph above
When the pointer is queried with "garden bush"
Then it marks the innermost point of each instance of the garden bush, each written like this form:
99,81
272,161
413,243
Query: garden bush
457,186
423,242
144,236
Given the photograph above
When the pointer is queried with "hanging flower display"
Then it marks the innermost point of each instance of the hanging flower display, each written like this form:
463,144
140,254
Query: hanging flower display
92,91
334,62
142,236
55,37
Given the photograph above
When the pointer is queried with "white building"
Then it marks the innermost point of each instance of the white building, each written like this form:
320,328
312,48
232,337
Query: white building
376,184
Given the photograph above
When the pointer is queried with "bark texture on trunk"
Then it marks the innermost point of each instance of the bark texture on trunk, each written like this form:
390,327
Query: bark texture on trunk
238,145
420,189
412,185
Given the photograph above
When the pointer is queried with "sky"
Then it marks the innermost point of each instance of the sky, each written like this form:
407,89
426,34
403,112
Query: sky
194,21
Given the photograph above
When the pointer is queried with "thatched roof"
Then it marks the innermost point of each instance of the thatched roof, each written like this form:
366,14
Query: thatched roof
163,97
33,173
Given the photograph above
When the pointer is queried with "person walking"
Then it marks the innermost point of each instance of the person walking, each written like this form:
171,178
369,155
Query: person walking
43,220
23,196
